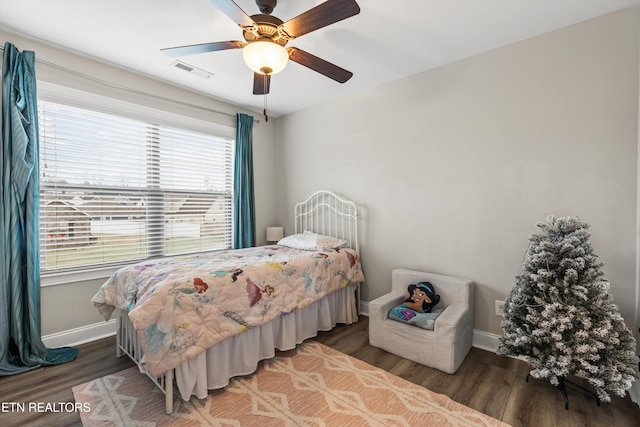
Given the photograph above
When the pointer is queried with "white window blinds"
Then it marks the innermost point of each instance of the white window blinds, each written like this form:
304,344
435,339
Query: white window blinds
115,190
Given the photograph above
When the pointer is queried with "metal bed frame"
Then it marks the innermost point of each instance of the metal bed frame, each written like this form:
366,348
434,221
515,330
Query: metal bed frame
323,212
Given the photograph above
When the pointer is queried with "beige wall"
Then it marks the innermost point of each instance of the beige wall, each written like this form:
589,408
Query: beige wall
67,306
453,167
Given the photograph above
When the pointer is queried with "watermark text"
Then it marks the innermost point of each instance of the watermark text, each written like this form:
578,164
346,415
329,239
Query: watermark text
44,407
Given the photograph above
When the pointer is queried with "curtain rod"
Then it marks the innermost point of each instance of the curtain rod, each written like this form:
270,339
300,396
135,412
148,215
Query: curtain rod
138,92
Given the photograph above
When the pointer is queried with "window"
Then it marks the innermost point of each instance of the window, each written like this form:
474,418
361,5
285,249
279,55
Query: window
116,190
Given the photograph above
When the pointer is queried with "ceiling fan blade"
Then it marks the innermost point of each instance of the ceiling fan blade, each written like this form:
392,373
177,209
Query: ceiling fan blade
261,83
319,65
233,11
202,48
320,16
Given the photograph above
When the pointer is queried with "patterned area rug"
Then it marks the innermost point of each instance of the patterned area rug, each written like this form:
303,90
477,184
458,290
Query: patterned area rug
316,386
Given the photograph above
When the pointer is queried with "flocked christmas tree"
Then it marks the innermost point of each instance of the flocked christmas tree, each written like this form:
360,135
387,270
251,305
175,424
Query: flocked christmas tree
560,317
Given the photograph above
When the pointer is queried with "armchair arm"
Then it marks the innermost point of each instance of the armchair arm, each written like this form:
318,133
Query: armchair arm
380,307
452,319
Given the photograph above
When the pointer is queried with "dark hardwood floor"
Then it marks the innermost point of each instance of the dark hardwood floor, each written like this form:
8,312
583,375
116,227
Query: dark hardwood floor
486,382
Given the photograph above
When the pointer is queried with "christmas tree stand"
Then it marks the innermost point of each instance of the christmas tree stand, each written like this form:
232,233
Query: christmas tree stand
562,386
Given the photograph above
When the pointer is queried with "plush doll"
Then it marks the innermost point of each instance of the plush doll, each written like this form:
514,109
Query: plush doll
422,297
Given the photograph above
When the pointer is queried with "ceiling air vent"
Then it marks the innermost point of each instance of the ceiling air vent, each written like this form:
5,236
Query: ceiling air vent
191,69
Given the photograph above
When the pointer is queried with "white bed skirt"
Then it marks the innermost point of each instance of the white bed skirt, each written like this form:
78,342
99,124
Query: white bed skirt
240,354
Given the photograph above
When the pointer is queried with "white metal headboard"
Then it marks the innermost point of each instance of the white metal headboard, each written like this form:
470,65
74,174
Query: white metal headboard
326,213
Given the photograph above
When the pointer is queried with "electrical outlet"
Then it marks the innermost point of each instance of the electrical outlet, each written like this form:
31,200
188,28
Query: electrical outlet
499,308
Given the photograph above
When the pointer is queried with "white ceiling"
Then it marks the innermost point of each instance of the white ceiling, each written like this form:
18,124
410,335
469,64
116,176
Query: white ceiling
388,40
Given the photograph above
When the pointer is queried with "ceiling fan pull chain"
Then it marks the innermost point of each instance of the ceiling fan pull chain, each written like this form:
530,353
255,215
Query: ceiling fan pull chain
264,110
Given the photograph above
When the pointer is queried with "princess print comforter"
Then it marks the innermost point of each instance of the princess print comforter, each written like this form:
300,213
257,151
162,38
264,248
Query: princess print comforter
181,306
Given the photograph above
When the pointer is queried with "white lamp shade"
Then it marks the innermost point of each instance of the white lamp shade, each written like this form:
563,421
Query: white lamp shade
274,234
265,57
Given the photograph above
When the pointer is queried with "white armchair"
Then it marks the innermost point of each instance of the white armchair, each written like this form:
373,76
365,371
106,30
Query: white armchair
445,347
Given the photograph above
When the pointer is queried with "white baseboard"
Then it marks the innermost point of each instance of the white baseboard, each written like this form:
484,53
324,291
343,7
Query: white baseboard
72,337
364,308
485,340
84,334
81,335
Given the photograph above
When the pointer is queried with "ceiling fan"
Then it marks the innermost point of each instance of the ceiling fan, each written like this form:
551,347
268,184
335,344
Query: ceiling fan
266,37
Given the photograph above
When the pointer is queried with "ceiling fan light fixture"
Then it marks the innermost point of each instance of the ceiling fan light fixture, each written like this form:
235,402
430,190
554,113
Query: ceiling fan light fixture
265,57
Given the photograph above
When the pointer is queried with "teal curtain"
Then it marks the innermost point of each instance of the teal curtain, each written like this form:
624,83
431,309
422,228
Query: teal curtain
244,220
21,346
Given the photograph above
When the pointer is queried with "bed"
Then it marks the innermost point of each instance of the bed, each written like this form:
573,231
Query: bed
200,320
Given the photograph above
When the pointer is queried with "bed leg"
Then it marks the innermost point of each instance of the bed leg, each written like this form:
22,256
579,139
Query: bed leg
168,386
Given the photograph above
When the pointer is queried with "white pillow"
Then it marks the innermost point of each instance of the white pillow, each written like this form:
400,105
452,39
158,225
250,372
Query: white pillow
328,242
312,242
